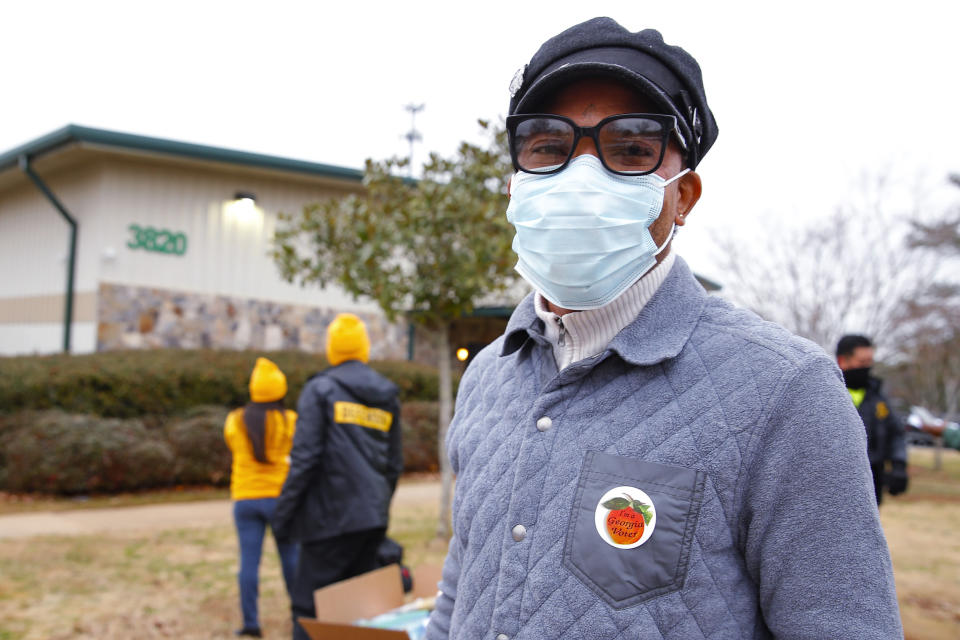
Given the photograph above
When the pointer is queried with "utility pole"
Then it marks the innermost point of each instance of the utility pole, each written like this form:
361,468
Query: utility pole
413,135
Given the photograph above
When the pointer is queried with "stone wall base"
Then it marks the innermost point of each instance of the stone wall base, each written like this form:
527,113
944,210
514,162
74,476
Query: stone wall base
131,317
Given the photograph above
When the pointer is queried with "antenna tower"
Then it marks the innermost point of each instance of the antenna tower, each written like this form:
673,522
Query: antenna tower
413,135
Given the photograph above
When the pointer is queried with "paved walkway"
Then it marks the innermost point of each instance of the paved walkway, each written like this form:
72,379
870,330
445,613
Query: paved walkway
159,516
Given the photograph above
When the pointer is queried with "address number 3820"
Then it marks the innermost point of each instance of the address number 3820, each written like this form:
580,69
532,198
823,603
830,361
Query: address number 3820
159,240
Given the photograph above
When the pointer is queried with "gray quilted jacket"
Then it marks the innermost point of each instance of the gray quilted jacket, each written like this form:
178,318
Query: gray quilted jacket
736,442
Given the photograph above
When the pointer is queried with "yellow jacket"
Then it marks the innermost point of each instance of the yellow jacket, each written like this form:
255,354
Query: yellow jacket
251,479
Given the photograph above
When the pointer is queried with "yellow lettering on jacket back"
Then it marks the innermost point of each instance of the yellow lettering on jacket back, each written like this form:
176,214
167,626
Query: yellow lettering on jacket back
882,411
353,413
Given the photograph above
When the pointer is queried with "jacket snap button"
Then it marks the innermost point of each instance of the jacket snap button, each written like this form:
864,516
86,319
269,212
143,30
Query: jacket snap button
519,533
544,423
502,636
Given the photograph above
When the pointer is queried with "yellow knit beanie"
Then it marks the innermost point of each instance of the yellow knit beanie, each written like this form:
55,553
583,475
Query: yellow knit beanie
347,340
267,383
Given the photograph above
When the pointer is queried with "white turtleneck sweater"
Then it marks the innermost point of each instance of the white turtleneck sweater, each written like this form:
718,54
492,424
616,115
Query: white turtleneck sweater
581,334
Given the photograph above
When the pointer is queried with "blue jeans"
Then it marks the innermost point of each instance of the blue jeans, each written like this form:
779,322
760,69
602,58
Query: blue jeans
252,518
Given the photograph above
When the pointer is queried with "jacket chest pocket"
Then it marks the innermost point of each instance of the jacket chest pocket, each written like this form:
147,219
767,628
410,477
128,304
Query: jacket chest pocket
631,527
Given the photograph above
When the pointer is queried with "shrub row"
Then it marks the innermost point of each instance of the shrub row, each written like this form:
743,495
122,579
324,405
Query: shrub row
166,382
68,454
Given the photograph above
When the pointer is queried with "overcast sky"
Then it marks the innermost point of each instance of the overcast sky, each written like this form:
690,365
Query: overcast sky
807,95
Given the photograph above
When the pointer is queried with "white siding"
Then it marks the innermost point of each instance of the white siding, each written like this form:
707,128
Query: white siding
107,192
34,245
225,255
34,237
46,337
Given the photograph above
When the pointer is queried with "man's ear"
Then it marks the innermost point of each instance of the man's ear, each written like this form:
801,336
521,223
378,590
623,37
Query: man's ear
689,189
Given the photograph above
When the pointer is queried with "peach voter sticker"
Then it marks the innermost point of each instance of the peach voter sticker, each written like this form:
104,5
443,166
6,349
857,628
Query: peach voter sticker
625,517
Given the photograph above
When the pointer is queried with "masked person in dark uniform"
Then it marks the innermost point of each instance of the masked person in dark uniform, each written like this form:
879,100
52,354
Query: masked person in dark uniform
344,466
886,445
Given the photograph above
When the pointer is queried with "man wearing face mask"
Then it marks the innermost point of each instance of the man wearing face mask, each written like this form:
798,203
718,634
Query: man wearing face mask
636,459
886,443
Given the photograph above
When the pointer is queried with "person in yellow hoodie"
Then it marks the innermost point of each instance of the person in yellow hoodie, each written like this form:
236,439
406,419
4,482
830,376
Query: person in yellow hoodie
259,436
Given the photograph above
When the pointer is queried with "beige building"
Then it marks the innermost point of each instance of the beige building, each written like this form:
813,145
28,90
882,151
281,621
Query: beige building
160,244
117,241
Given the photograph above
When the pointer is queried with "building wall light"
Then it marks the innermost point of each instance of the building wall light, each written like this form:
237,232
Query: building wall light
243,207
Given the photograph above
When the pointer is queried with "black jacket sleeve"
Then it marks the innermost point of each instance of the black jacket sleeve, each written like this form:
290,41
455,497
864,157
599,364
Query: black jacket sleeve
395,461
895,442
305,457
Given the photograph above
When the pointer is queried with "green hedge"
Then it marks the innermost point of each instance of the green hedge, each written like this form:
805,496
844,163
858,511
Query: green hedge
61,453
200,455
68,454
419,422
165,382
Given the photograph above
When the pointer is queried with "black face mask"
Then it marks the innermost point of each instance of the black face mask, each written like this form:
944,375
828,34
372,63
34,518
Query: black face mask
857,378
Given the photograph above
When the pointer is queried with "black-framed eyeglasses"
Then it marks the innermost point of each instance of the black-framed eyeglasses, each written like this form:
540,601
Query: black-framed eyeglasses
629,144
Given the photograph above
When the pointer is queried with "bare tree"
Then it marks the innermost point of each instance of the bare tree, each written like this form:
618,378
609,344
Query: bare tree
852,271
929,325
941,235
928,371
872,267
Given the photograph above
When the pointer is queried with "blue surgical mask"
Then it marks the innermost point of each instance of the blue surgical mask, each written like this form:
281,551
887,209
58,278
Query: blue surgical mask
583,234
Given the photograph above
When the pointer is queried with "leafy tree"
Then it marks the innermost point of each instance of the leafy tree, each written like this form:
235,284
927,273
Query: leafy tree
425,249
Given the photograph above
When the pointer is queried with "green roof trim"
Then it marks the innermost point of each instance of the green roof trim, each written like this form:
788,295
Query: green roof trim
491,312
76,133
707,283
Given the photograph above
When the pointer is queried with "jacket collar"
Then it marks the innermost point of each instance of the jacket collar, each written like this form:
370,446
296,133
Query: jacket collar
658,333
523,325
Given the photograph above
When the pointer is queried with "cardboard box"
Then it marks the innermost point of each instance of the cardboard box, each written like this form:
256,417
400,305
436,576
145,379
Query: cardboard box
366,596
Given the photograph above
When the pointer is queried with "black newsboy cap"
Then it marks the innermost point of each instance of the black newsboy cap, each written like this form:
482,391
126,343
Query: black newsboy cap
664,73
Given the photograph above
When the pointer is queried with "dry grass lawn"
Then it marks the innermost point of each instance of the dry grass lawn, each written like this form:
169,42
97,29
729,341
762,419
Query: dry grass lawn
181,583
923,531
166,584
27,503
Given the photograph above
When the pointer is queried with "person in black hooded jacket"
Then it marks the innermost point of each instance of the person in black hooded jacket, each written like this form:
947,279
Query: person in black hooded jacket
886,443
344,466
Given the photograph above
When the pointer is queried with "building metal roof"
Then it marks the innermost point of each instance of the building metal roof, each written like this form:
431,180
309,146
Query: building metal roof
73,133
